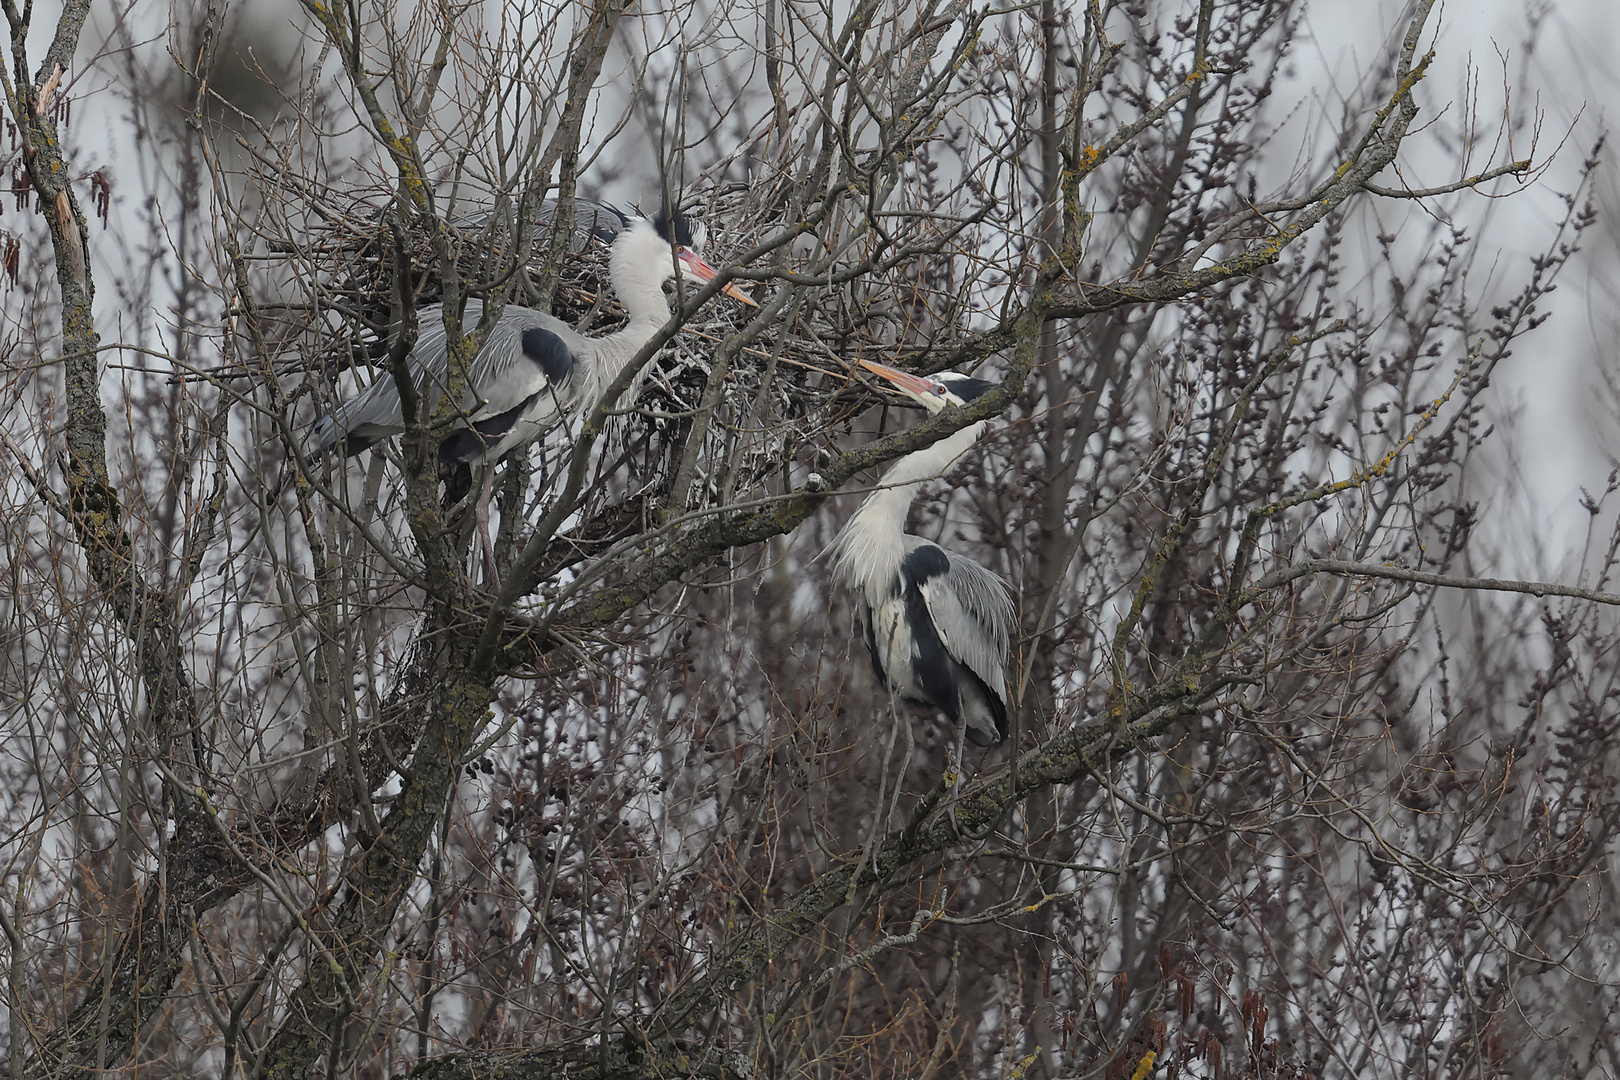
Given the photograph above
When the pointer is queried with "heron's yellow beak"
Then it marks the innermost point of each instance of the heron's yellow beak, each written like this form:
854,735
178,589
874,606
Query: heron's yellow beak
915,385
704,272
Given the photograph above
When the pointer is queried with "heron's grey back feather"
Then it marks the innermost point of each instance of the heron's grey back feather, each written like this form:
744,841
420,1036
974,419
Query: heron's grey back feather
593,221
510,397
972,609
500,377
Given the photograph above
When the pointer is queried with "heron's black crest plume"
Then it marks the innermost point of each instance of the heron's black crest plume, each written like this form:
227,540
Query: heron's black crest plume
965,387
677,228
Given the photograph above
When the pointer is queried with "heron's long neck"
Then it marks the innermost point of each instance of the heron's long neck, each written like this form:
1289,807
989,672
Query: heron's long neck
912,470
872,545
638,279
639,271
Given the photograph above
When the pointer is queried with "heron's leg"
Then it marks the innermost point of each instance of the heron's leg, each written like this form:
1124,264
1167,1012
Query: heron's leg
374,481
486,491
955,768
900,778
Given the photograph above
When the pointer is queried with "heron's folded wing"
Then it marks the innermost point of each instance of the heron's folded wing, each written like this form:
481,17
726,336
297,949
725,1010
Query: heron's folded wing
504,374
527,353
972,609
376,411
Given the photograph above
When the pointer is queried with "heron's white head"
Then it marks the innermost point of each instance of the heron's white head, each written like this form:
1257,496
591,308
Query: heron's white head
644,246
932,392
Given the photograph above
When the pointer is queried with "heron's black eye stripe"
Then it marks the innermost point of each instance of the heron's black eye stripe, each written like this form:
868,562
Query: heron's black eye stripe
966,388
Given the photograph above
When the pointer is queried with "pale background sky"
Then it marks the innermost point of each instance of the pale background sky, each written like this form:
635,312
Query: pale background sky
1566,437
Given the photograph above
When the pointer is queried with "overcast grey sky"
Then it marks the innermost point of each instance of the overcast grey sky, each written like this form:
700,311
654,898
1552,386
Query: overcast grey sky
1557,58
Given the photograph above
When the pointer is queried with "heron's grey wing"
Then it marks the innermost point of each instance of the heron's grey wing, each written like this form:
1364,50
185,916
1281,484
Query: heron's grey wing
592,221
513,367
376,413
972,609
527,352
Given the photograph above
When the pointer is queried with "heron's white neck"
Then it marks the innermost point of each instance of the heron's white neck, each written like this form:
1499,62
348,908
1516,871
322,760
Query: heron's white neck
907,474
639,264
872,545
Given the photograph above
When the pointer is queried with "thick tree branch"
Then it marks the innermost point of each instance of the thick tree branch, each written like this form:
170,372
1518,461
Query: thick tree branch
108,1019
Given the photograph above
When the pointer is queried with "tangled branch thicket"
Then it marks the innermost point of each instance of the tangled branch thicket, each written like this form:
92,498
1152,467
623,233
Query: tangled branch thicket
295,785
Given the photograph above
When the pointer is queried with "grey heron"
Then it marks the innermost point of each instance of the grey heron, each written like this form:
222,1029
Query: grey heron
532,366
937,624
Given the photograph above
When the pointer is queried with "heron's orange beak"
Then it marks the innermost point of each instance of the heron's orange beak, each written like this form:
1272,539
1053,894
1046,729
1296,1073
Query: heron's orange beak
915,385
704,272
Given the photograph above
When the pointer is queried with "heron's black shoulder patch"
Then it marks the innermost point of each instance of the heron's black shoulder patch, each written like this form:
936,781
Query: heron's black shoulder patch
924,562
933,671
549,353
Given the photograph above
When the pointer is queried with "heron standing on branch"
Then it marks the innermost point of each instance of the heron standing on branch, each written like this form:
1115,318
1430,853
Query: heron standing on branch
938,625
